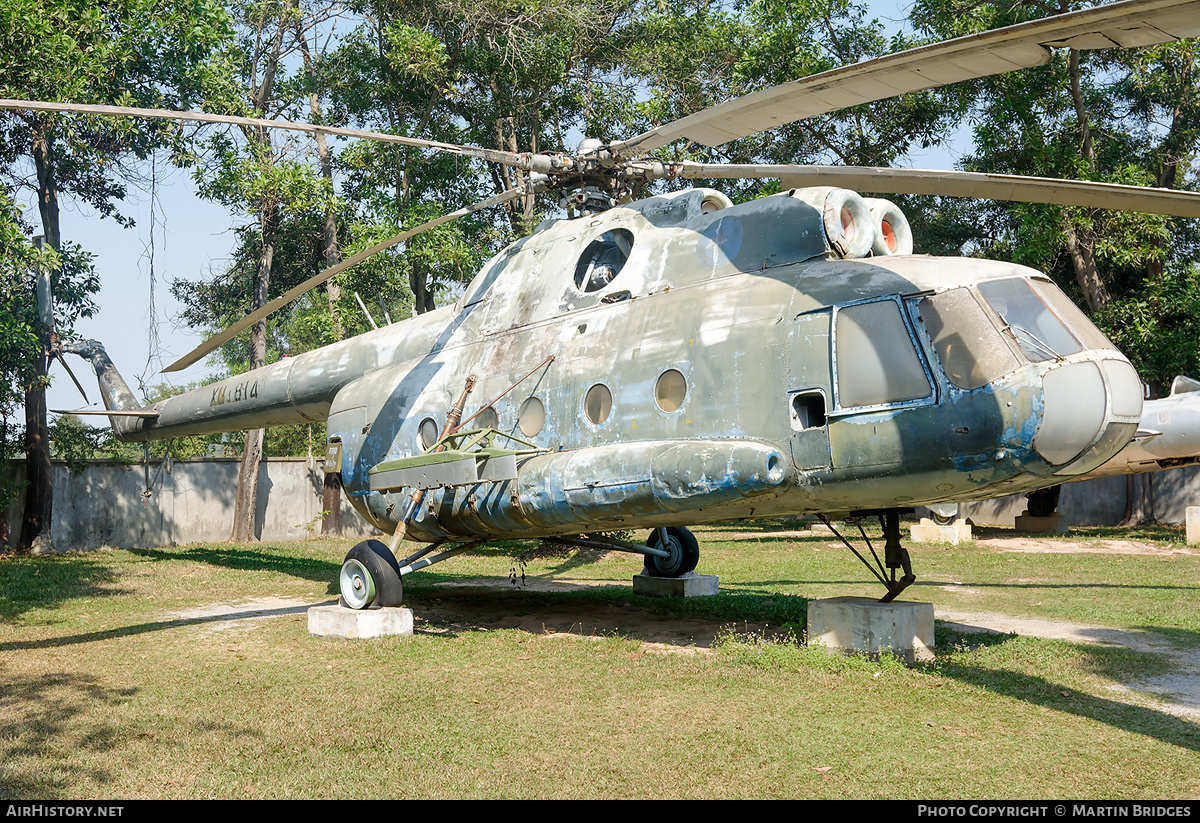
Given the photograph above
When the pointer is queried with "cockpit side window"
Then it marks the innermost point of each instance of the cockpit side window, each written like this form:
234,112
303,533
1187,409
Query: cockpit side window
603,260
972,351
876,359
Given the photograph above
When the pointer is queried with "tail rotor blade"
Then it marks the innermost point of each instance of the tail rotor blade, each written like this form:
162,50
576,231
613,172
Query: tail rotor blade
74,379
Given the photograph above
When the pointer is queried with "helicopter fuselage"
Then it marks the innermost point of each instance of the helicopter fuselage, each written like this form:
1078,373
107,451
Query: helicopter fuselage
685,360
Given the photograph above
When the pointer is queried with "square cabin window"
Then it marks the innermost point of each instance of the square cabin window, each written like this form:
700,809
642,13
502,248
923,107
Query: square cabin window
877,362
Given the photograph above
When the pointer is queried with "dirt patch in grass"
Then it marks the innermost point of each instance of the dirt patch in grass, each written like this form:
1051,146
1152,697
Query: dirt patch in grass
243,615
1180,689
505,611
1054,545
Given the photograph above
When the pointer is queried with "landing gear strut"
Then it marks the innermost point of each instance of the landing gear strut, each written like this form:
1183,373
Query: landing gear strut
895,556
670,551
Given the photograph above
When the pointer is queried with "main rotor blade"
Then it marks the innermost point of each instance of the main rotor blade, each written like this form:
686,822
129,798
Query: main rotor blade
1118,25
216,341
1082,193
504,157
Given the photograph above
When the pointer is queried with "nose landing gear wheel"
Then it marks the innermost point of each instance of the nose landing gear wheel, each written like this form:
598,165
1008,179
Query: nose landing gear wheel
683,548
370,576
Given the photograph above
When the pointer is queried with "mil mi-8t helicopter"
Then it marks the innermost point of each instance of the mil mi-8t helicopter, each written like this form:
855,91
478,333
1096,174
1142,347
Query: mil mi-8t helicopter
680,359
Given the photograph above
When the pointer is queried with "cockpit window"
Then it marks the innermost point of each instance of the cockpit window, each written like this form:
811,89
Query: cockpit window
1038,331
1075,319
972,352
603,259
877,363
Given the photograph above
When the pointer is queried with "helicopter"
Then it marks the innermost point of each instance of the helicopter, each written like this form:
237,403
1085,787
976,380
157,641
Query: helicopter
681,359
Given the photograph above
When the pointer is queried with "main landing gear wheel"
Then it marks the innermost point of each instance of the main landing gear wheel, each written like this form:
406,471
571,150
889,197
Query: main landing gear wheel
683,548
944,514
370,576
1044,502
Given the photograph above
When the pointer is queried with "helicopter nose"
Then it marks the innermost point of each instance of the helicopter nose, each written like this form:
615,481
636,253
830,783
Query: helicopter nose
1090,411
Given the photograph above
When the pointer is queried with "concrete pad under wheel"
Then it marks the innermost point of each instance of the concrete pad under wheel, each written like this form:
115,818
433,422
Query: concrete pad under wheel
928,531
860,624
687,585
354,624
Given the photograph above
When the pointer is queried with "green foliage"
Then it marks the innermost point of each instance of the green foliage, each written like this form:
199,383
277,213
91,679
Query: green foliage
1159,328
1120,116
73,282
125,52
73,441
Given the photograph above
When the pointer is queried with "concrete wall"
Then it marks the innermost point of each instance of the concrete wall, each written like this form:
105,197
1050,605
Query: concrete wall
190,501
1101,502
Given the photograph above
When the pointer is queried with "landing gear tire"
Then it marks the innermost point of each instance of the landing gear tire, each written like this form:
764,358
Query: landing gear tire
1044,502
944,514
370,577
683,548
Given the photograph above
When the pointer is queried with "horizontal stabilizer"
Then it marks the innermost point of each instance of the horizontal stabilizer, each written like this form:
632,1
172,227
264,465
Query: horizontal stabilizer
110,412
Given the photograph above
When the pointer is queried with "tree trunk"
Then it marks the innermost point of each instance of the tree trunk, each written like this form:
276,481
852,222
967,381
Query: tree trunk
39,490
1081,245
1139,500
330,252
247,492
1087,274
39,497
418,283
246,504
331,505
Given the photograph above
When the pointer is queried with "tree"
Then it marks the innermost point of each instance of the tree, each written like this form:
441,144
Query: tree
515,76
1114,116
692,54
128,52
268,177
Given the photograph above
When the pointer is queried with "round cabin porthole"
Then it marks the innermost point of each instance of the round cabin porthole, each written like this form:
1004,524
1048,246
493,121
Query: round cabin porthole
670,390
486,419
603,260
427,433
532,417
597,404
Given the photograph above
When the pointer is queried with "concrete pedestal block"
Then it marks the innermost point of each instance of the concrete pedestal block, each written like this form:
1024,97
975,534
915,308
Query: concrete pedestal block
689,585
928,531
1054,524
1192,519
353,624
860,624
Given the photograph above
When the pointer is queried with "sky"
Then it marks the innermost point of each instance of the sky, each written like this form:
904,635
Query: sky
190,239
186,237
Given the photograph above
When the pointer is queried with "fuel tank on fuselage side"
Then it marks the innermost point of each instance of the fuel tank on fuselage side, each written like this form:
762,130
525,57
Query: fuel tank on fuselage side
708,330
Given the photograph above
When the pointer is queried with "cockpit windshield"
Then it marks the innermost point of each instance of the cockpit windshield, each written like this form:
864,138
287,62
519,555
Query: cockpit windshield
1034,315
1037,330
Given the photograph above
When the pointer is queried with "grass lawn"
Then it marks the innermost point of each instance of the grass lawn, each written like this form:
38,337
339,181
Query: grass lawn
118,681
